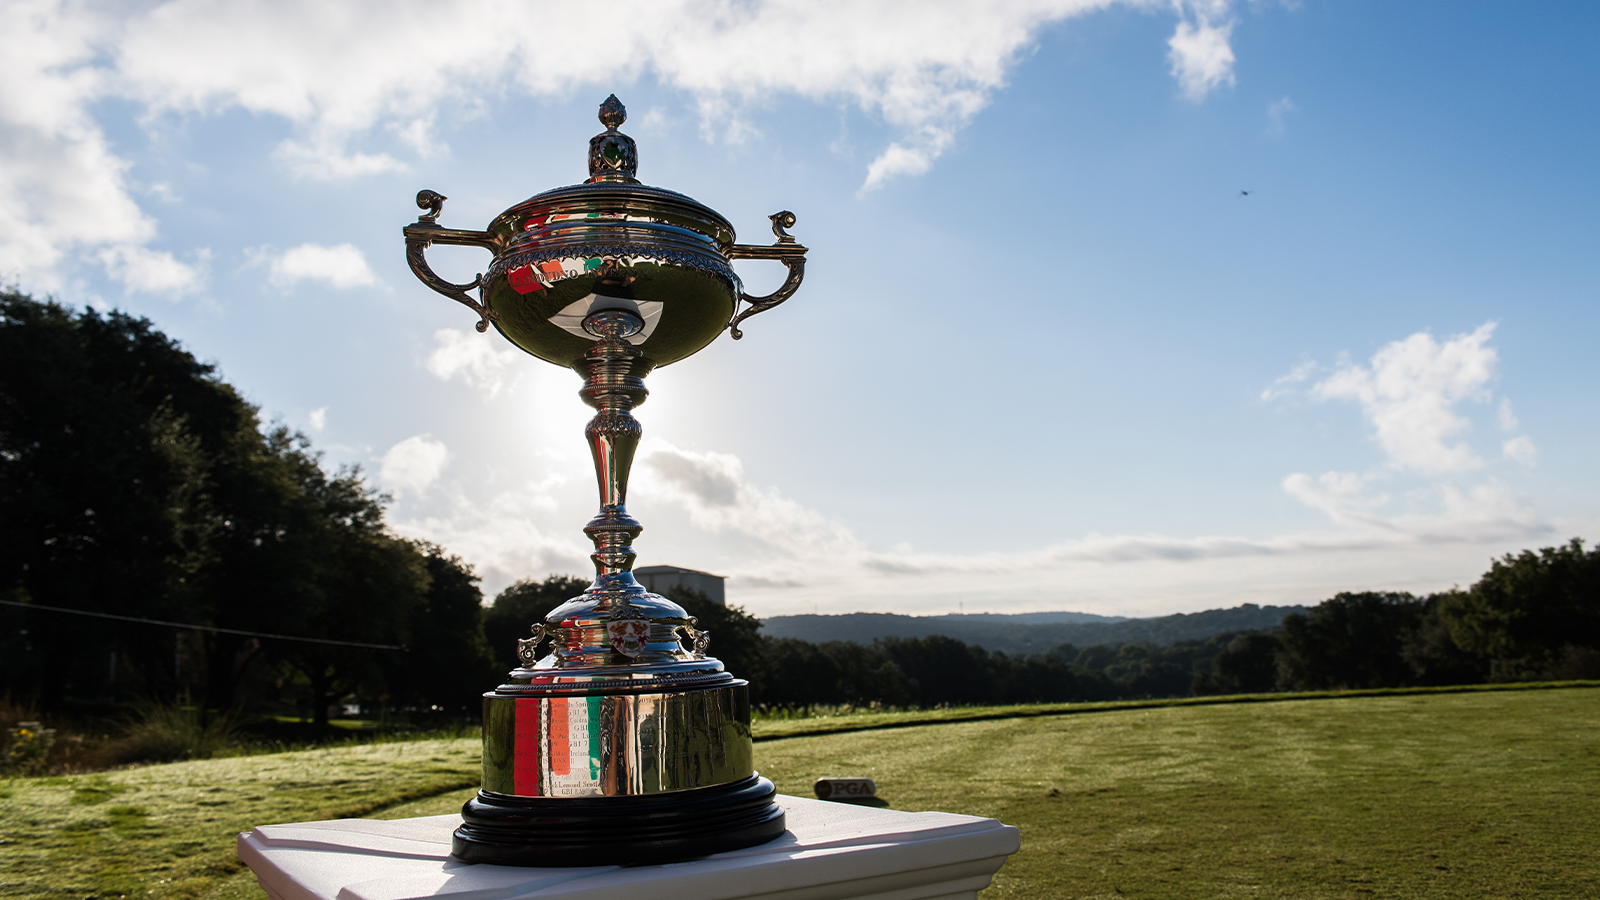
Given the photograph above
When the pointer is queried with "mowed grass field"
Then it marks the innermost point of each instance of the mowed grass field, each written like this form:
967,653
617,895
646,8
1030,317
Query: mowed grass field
1476,794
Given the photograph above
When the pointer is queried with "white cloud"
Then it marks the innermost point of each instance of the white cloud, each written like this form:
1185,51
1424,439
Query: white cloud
1284,385
414,463
1521,449
1508,419
713,488
900,160
501,534
925,66
418,135
813,556
153,271
783,556
59,173
318,418
1202,59
1339,494
475,359
66,191
339,266
329,161
1409,394
346,76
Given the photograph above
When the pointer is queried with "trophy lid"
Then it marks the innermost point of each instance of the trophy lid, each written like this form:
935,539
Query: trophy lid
612,194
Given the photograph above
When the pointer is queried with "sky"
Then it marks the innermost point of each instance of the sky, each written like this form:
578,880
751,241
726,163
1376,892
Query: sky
1119,307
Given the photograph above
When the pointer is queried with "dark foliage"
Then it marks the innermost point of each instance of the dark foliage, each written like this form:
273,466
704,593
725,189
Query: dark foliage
515,611
1434,657
448,666
1536,614
1247,665
736,637
798,674
108,433
1350,641
135,482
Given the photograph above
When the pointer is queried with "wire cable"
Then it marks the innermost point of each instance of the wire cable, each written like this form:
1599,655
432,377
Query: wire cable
211,628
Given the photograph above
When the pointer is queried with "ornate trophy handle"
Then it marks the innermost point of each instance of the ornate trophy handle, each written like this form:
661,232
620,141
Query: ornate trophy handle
528,648
700,639
785,251
427,231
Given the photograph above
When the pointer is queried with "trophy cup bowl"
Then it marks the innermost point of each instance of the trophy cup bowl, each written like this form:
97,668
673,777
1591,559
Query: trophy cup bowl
625,743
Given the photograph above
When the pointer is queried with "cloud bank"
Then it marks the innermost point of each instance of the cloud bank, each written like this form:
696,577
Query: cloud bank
360,84
1408,523
1411,395
1411,522
805,554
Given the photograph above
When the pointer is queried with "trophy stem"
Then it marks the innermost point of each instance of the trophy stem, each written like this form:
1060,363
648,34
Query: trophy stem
614,384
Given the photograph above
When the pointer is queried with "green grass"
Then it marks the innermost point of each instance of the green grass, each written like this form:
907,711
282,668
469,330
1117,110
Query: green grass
839,720
1436,794
1480,794
168,830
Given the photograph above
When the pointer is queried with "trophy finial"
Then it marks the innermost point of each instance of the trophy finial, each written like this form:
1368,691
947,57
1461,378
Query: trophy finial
613,156
431,202
613,113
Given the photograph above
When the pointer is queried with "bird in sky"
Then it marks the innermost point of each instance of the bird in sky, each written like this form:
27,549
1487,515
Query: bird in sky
1244,193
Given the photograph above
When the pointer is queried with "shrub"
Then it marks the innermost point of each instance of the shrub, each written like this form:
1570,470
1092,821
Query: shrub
162,732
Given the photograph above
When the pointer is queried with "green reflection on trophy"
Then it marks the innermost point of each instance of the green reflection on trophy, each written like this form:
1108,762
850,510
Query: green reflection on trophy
625,742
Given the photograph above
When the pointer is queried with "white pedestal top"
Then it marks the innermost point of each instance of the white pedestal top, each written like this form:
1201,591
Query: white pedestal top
831,851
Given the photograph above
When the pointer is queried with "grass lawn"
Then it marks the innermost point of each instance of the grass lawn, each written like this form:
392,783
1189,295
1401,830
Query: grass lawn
1474,794
1484,794
168,831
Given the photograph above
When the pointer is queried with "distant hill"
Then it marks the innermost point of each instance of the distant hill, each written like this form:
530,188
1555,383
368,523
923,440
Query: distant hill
1028,632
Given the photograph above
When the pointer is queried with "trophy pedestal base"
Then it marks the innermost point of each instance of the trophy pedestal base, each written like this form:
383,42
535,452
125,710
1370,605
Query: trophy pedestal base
831,851
598,831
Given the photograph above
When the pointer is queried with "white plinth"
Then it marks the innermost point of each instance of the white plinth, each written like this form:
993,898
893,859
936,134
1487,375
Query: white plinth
831,851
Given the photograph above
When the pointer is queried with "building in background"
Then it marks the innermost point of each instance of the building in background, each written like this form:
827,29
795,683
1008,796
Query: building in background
659,578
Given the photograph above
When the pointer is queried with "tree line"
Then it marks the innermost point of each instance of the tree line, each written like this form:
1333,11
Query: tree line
138,488
1532,616
136,483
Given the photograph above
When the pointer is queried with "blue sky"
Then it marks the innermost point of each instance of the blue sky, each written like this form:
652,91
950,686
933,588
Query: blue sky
1047,355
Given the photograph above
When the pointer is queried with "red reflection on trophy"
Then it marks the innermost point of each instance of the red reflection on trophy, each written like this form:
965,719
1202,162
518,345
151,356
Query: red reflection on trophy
523,281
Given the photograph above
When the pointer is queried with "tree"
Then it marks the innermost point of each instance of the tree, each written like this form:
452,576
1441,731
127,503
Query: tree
1247,665
796,674
135,482
109,433
1043,678
1534,613
944,670
518,608
359,584
1353,640
736,637
1433,654
447,667
1142,670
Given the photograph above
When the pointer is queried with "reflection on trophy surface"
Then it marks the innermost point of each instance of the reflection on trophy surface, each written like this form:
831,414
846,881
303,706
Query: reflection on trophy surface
625,742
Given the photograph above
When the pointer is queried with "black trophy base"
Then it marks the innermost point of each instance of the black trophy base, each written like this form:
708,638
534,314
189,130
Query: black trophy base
617,831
